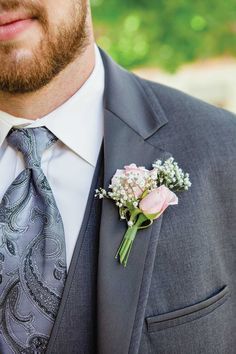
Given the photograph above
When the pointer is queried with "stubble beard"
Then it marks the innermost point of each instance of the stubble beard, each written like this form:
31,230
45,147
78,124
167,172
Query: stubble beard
56,50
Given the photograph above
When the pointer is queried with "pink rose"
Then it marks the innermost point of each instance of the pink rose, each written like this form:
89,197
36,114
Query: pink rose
139,171
134,187
158,200
116,176
134,168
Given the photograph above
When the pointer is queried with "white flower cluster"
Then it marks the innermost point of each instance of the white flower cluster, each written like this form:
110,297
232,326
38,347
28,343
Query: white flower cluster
131,184
169,174
128,186
100,193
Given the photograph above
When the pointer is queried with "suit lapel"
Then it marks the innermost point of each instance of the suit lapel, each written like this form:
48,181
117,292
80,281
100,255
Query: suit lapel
131,115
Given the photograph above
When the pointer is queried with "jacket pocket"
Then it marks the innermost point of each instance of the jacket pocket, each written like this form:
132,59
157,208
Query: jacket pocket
189,313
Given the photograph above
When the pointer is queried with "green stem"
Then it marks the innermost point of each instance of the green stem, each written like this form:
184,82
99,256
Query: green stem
141,220
127,254
130,235
134,214
126,244
123,244
128,239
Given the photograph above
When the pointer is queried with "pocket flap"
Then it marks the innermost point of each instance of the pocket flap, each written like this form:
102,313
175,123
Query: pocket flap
189,313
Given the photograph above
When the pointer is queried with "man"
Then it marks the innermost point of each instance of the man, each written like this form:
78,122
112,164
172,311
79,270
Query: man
70,117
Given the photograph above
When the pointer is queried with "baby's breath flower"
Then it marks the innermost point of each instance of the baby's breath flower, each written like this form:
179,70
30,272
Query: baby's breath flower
100,193
171,175
128,185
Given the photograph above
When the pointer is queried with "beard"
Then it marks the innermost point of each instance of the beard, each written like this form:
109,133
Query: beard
58,47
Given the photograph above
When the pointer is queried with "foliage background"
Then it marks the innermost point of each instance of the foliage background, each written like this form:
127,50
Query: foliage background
165,33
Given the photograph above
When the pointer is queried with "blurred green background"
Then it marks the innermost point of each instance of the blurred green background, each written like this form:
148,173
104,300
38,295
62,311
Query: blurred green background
165,34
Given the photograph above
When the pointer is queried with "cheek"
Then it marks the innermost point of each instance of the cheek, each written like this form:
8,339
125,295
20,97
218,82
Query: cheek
60,11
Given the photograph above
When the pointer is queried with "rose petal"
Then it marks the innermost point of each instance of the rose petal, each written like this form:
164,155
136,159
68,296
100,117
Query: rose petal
158,200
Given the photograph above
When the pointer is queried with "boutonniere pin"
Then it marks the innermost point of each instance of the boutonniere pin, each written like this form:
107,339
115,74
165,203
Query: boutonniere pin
142,196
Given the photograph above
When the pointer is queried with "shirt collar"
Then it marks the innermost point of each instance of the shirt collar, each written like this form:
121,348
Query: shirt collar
78,122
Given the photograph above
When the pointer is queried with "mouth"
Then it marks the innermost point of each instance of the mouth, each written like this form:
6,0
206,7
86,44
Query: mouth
11,25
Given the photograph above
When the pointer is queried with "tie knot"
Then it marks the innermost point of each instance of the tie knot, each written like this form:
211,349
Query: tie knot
32,142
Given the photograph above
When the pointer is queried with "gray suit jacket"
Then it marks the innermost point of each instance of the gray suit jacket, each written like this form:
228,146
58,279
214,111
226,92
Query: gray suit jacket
178,293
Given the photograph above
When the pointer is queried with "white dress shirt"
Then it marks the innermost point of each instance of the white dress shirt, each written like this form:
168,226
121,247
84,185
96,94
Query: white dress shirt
70,163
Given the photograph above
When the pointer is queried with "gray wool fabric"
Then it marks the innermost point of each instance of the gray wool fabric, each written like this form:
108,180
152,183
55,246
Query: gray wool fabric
32,253
177,294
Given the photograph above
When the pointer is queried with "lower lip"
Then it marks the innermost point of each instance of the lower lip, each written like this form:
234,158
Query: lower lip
12,30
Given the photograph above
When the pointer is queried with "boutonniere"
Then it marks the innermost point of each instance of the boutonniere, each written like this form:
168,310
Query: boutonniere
142,196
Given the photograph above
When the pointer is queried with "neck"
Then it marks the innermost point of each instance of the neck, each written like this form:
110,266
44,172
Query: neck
34,105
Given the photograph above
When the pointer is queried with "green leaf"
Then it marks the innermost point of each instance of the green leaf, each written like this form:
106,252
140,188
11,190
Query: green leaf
152,216
145,193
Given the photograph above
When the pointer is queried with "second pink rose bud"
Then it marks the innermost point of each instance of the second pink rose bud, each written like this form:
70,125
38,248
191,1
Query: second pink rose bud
157,201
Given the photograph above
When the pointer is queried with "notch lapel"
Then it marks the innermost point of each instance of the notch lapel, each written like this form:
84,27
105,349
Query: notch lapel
129,119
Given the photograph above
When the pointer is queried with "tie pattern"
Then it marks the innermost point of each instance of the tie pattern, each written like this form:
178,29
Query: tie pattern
32,251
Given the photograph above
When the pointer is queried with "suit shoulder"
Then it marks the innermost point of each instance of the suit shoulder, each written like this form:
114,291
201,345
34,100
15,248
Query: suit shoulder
195,130
184,109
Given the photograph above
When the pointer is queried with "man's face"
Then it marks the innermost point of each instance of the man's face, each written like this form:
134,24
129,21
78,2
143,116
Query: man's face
50,35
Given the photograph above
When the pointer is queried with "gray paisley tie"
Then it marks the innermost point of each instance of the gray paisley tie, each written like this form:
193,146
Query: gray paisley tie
32,251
